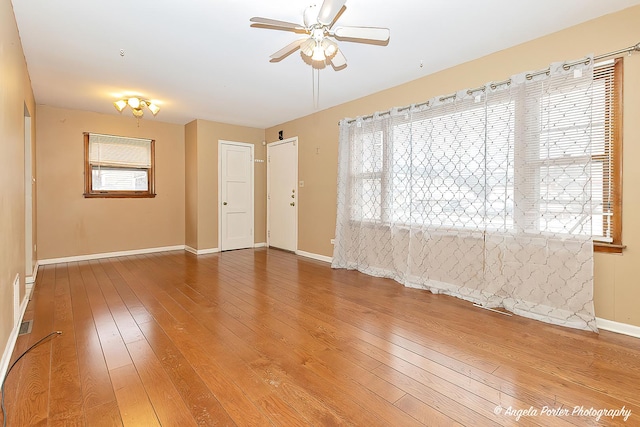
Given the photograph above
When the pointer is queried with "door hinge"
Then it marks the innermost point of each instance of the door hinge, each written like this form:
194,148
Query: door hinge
269,233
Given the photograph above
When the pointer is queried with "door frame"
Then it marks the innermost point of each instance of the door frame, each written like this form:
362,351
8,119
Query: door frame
293,139
253,202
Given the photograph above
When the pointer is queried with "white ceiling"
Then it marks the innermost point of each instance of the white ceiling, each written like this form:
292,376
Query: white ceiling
201,59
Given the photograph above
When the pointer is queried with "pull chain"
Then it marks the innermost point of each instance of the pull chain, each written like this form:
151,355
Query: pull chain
315,82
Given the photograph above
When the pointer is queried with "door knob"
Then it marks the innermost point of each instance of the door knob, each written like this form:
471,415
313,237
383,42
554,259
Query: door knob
293,196
292,203
224,203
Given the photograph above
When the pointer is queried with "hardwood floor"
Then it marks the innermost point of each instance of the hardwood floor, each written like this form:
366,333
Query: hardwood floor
262,337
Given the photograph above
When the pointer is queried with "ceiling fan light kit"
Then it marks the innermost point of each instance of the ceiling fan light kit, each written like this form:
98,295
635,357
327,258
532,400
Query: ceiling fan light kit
318,45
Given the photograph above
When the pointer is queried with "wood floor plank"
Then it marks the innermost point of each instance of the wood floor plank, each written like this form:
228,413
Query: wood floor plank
127,326
65,404
167,402
94,374
105,415
113,348
424,413
133,401
203,404
263,337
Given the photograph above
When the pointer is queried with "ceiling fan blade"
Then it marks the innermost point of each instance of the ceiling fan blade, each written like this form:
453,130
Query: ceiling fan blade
338,61
329,10
287,49
369,33
280,24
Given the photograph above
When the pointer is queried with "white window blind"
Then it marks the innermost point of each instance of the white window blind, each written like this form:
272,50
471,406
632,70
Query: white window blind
109,150
606,142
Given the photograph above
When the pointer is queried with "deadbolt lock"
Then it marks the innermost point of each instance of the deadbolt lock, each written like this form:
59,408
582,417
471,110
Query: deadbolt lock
292,203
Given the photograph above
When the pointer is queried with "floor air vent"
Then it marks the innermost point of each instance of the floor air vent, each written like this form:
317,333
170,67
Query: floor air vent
25,327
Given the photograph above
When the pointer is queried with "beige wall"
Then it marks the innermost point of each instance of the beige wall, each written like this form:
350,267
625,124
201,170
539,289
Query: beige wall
191,184
69,224
15,92
204,159
617,287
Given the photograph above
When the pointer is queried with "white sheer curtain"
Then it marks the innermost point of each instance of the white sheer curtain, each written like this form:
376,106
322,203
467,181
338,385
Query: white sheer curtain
485,195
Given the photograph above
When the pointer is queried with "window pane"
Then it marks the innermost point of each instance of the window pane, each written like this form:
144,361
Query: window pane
564,194
368,193
119,179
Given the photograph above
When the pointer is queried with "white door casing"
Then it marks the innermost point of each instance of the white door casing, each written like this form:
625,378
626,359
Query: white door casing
282,194
235,195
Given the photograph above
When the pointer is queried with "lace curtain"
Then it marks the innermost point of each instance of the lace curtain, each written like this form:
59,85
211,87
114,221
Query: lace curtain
485,195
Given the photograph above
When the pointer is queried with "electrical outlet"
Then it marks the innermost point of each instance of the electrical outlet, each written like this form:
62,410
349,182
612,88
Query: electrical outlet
333,241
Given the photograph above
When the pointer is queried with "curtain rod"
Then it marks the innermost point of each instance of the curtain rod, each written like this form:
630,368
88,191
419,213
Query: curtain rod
630,49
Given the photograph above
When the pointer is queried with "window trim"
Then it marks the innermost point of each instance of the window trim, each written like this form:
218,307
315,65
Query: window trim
616,245
88,178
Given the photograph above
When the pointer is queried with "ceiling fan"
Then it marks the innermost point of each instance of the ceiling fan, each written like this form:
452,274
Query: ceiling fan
317,44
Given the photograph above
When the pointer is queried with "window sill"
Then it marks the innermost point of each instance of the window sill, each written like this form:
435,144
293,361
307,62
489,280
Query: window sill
608,248
119,195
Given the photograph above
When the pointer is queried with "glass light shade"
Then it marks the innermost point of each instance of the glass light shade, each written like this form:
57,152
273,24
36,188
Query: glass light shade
137,112
134,103
153,108
330,48
307,46
120,104
318,53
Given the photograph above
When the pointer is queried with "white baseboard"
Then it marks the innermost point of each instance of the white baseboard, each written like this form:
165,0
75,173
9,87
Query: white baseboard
315,256
30,281
620,328
260,245
110,254
208,251
11,342
201,251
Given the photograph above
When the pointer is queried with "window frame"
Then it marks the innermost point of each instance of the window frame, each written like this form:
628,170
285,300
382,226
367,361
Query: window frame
88,177
613,144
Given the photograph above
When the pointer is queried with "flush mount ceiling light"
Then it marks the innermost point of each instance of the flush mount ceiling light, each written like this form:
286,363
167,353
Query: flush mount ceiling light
136,104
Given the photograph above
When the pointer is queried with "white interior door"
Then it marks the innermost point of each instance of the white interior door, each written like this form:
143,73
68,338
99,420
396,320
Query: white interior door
282,194
235,195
